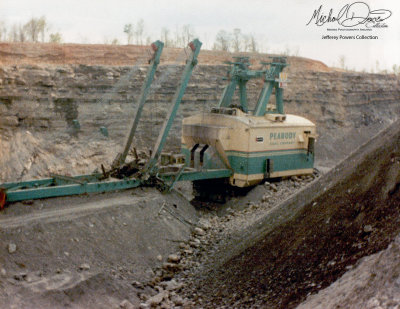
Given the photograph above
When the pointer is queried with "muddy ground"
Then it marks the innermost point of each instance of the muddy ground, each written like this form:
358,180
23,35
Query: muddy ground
274,247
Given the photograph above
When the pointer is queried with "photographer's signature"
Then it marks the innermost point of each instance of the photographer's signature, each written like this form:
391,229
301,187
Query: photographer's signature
351,15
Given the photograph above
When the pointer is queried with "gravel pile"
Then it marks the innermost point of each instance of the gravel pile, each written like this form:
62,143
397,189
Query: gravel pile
172,284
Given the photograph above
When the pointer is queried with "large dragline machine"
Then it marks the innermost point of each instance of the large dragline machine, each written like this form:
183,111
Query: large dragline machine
230,144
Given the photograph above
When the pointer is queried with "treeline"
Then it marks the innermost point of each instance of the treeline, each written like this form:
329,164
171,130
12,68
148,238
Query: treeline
235,41
377,69
39,30
35,30
232,41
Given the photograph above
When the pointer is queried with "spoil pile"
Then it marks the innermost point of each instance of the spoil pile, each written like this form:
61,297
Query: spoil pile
311,239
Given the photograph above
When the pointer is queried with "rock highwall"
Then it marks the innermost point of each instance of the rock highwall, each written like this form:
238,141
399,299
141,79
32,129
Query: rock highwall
39,103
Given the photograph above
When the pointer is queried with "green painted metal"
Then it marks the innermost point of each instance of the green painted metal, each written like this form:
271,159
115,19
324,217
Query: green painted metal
157,47
264,98
199,175
76,124
279,99
69,189
65,186
27,184
238,76
104,131
270,82
227,94
176,178
35,183
212,160
68,179
255,163
243,95
195,46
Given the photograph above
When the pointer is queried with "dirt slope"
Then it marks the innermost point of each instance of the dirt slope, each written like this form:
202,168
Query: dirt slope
85,252
313,238
97,54
374,283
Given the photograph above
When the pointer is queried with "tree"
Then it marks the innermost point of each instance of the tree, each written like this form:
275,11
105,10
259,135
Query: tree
3,31
222,41
43,27
55,38
148,40
13,34
287,51
253,44
262,46
377,66
165,37
236,40
21,34
139,31
31,30
35,27
187,34
296,51
245,43
178,42
396,69
128,29
342,61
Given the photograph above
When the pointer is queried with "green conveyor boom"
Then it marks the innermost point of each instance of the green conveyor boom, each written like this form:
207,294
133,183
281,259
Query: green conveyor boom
154,61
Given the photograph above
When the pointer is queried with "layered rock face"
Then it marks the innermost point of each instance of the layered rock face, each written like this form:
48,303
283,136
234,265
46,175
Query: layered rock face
43,106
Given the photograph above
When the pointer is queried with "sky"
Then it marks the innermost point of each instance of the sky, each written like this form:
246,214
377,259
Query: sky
277,25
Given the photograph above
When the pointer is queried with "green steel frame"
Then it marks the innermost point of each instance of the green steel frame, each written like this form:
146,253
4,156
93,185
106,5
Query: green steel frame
240,74
270,82
50,190
63,186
